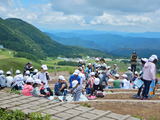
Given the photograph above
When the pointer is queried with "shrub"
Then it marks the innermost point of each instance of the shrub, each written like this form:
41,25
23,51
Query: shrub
19,115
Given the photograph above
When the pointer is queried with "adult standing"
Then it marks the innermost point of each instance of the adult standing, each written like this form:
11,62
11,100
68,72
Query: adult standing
149,74
133,61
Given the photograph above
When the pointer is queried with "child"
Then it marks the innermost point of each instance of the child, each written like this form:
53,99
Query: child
125,82
27,90
36,88
45,90
2,80
76,90
18,81
9,79
91,83
117,82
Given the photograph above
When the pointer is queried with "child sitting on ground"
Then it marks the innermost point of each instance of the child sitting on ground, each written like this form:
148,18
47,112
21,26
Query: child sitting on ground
125,82
27,90
45,90
116,82
76,90
36,89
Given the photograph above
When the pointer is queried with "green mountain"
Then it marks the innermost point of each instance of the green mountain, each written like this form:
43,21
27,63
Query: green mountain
28,41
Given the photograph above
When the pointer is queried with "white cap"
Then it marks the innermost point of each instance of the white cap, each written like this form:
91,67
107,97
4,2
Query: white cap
153,57
80,60
89,64
38,81
129,68
124,76
76,72
44,67
30,80
97,59
18,71
1,71
8,73
74,83
108,67
144,59
61,77
92,73
116,75
35,70
140,72
27,72
136,73
96,81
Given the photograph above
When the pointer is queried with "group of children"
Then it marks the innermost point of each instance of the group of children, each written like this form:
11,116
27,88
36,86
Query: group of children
88,80
31,83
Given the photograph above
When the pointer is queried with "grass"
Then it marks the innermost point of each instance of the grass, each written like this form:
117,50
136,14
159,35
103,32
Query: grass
6,54
19,115
15,63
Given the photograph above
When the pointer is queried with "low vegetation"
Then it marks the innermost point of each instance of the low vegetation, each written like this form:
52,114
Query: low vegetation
19,115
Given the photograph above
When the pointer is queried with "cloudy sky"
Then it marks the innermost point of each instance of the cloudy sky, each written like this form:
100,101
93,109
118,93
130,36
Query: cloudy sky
110,15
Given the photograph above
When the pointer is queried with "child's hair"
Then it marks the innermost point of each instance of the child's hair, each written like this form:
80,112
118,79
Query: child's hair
35,85
29,83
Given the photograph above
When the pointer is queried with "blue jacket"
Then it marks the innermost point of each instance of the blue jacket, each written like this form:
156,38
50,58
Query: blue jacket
73,77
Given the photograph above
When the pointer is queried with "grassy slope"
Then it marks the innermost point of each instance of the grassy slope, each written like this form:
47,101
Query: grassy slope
8,62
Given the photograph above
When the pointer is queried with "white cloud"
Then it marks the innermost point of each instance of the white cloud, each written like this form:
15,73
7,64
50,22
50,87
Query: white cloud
86,14
120,20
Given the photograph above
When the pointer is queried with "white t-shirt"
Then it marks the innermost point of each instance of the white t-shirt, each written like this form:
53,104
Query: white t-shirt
19,80
126,84
42,76
9,80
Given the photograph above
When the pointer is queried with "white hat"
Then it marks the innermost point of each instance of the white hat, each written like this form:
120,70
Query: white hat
92,73
38,81
80,60
97,59
89,64
116,75
30,80
96,81
124,76
18,71
35,70
44,67
74,83
1,71
144,59
8,73
27,72
129,68
153,57
61,77
108,67
76,72
140,72
136,73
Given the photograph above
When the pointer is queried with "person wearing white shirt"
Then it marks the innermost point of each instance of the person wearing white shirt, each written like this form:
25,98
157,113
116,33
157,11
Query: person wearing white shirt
9,79
43,75
125,82
149,74
18,81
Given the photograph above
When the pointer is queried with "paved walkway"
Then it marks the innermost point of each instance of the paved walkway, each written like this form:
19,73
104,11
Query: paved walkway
58,111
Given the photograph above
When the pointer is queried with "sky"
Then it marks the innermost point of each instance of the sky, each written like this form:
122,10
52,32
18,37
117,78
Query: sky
108,15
